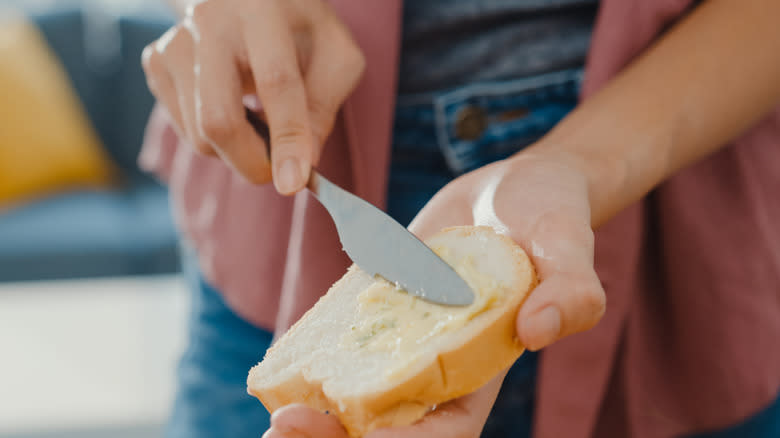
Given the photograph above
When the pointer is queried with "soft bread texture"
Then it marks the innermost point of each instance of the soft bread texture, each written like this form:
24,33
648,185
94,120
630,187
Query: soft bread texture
317,364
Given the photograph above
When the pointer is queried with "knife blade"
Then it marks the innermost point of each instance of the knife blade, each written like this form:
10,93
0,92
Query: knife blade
379,245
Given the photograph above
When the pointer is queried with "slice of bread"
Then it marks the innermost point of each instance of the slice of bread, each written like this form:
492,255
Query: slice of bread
376,356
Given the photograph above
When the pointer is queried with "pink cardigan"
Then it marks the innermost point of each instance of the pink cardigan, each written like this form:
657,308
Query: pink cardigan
691,339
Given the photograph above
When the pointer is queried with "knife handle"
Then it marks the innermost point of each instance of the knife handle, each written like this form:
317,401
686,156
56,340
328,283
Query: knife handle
261,128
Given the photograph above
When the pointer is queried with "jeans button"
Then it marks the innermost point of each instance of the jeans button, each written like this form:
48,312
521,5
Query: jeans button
470,123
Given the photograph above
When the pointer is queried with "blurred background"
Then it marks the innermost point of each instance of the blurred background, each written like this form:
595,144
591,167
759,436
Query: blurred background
91,304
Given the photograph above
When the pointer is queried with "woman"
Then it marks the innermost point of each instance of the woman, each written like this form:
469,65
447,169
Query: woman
689,342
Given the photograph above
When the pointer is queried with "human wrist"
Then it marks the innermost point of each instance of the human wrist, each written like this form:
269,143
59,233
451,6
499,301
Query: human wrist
604,175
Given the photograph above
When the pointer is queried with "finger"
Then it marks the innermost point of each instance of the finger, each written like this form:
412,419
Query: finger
569,298
302,419
161,85
460,418
179,59
272,57
560,306
334,70
430,219
275,433
219,110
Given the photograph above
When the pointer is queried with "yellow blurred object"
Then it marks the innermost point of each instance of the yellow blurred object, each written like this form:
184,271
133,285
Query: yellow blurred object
47,143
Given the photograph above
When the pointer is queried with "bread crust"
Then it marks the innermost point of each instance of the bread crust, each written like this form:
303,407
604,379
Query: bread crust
460,370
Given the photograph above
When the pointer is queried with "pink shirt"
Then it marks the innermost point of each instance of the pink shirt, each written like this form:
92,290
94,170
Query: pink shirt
691,338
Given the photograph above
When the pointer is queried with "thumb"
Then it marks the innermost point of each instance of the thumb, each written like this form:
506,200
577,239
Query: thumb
442,211
299,420
561,305
569,298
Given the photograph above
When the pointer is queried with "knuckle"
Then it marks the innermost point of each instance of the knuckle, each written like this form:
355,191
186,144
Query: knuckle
289,134
150,60
348,69
201,16
353,60
593,301
323,109
202,146
356,60
215,123
173,47
199,11
277,78
163,43
154,70
179,42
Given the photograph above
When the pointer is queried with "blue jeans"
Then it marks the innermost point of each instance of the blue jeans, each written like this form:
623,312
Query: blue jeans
211,398
437,137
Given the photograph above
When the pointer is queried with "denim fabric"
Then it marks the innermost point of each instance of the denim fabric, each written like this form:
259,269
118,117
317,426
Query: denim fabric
211,398
427,153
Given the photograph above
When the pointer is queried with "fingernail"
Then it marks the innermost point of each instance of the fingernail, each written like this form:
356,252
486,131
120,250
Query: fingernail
289,176
542,328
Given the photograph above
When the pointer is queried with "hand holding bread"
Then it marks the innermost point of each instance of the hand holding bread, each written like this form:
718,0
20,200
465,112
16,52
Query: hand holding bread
540,200
536,203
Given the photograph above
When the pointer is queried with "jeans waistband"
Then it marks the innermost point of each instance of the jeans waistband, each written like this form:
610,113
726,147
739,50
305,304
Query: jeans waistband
481,122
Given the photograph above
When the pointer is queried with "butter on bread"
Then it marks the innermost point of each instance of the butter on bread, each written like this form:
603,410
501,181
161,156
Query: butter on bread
376,356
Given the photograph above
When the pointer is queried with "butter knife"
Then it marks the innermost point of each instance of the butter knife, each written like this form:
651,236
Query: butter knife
381,246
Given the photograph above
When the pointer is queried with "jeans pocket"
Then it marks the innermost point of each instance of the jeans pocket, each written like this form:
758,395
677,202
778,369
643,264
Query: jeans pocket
481,123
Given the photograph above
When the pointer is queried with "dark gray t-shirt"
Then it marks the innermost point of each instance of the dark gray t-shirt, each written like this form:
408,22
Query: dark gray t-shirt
451,42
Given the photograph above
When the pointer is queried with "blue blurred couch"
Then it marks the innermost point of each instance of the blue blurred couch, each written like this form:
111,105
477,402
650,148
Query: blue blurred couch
128,231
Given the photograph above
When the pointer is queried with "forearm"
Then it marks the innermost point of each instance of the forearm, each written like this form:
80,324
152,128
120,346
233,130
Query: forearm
707,80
